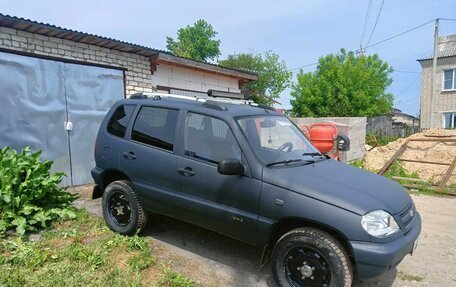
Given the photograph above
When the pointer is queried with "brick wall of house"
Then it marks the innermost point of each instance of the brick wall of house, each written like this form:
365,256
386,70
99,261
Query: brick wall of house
137,75
445,101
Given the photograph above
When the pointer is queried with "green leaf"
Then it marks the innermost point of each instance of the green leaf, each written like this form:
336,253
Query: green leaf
195,42
30,196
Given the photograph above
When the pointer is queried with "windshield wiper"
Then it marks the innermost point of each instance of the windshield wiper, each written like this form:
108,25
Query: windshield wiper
313,154
316,154
287,162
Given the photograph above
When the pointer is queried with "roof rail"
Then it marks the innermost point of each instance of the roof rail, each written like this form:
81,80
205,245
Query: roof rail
138,96
225,94
215,105
215,99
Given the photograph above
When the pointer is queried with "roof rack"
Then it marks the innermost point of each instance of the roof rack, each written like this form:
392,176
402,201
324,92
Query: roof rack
214,100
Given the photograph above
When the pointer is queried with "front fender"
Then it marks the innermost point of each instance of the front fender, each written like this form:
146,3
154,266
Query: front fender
278,204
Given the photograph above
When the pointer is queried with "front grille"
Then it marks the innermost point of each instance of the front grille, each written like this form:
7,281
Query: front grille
407,216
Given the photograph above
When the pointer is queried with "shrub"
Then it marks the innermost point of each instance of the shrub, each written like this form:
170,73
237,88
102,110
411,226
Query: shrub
30,197
374,140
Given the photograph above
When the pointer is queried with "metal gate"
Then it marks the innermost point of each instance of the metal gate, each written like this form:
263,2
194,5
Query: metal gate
39,97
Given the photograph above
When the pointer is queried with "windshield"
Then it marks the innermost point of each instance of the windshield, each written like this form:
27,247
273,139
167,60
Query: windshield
276,139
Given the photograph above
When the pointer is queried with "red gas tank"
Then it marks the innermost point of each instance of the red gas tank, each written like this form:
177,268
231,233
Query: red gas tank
323,136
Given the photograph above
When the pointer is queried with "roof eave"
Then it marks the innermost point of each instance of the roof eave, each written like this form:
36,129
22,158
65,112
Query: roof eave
49,30
183,62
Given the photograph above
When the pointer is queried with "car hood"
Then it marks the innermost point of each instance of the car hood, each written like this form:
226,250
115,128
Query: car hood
342,185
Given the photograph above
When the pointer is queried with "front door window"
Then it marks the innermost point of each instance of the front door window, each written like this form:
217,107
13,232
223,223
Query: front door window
209,139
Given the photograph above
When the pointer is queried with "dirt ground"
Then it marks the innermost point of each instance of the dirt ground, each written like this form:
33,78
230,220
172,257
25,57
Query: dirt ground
216,260
442,152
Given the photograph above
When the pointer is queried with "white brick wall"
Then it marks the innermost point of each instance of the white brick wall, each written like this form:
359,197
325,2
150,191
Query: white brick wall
137,76
445,101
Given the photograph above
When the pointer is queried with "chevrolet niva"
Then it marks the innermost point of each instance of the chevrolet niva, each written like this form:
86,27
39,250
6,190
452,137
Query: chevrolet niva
247,171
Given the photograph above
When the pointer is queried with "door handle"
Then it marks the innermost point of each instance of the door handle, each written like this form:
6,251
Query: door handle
186,171
129,155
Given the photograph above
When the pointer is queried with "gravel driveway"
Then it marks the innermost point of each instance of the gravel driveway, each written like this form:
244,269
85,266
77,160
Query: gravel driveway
217,260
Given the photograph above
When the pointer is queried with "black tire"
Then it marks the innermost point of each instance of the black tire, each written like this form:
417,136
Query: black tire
122,208
310,257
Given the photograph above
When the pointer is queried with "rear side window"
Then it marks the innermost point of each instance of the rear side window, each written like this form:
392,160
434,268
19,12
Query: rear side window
118,123
155,127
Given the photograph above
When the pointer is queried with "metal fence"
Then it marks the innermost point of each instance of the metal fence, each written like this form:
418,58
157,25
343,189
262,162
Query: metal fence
384,126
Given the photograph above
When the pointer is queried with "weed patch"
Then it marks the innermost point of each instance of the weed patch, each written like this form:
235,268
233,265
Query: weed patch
82,252
173,279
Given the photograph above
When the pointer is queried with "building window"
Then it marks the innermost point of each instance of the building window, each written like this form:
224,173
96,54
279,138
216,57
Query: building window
155,127
449,79
449,120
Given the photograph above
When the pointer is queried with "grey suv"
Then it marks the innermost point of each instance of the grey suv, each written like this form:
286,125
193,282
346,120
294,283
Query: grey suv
248,172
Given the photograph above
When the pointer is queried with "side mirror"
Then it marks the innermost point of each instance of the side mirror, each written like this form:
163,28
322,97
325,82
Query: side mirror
230,166
343,143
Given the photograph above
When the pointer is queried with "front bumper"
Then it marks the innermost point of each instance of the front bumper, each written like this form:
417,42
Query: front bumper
374,259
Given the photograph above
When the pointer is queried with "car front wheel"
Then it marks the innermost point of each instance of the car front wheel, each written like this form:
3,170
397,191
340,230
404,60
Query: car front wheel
122,208
310,257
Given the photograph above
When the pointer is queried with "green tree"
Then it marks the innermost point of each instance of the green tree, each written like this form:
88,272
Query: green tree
273,75
195,42
344,85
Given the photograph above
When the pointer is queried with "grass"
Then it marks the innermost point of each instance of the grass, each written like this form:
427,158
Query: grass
410,277
173,279
374,140
83,252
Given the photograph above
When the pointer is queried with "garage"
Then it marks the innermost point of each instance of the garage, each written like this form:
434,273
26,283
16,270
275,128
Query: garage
56,107
56,84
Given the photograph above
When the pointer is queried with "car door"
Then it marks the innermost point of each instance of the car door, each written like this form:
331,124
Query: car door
148,157
226,203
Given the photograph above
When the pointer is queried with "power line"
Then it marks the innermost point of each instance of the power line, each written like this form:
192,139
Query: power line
409,102
308,65
376,22
408,86
407,72
366,20
382,41
400,34
447,19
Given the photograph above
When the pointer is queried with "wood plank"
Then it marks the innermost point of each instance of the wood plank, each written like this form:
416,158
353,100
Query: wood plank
433,188
398,153
434,140
410,179
183,62
447,176
424,161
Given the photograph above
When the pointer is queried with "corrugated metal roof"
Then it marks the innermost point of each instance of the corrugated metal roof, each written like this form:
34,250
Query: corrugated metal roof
442,54
49,30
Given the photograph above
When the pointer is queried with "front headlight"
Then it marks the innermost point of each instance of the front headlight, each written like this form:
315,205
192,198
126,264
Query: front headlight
379,223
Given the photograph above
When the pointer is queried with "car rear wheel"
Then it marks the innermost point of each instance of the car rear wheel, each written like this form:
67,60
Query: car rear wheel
310,257
122,208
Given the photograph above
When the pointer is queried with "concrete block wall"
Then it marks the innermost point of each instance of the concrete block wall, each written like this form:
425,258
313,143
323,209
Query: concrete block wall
137,76
354,128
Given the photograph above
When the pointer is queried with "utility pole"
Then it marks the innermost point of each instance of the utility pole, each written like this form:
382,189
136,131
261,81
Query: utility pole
434,71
